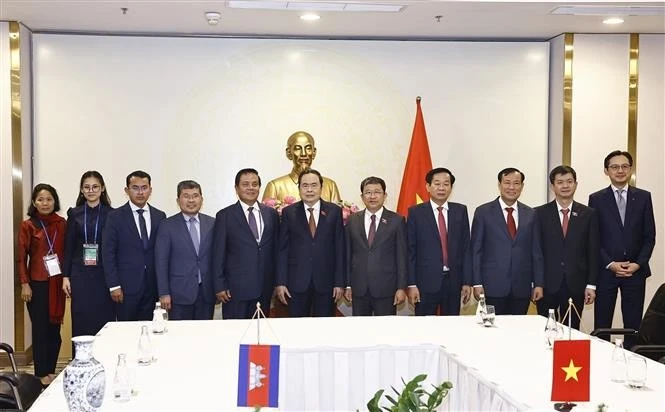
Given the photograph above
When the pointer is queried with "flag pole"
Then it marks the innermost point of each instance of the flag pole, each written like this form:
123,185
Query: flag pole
570,318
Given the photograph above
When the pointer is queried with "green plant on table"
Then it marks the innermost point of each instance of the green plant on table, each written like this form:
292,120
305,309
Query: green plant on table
411,397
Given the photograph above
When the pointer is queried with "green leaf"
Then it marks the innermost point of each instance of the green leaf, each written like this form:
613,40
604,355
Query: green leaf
391,399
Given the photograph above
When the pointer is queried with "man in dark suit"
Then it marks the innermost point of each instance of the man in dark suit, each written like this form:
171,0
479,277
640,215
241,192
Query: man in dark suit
569,235
182,258
310,264
439,249
507,255
246,235
129,251
376,254
627,239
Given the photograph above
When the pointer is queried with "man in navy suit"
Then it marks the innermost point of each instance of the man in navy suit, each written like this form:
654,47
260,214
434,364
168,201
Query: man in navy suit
245,250
569,234
376,254
627,239
439,249
310,264
507,255
182,258
129,251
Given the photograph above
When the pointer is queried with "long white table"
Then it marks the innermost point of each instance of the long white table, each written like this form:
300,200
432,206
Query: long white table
339,363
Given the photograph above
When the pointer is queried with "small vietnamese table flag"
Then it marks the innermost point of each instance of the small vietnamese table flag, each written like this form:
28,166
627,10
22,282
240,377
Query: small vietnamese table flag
571,364
258,375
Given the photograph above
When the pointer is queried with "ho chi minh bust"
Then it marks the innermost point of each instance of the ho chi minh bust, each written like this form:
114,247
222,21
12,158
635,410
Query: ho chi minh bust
300,149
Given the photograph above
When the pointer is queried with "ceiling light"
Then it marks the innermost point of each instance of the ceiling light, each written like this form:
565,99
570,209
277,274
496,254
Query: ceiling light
610,10
613,20
351,6
310,17
213,17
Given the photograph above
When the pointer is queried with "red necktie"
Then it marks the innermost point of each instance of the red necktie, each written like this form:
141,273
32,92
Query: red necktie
372,230
564,223
443,234
512,227
312,222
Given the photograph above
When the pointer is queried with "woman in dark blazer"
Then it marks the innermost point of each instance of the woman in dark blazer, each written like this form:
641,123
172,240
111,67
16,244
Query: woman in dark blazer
84,280
39,260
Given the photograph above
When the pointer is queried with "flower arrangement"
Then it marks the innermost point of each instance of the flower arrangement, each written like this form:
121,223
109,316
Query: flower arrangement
279,205
348,209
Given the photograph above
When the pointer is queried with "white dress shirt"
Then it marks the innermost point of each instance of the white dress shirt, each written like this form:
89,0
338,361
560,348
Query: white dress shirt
257,216
505,213
368,220
316,211
146,216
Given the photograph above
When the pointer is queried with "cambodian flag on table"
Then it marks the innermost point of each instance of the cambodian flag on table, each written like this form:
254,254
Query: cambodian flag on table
258,375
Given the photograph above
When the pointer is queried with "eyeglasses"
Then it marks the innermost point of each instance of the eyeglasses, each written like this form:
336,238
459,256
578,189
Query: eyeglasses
616,168
93,188
370,194
139,189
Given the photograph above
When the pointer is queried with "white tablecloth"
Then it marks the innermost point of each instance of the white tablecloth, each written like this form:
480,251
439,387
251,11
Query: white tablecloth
339,363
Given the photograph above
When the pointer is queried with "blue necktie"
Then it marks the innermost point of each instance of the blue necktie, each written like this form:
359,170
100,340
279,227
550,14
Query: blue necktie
194,234
144,229
251,219
621,204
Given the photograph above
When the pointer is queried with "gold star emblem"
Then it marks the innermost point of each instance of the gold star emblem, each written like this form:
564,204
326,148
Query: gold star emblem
571,371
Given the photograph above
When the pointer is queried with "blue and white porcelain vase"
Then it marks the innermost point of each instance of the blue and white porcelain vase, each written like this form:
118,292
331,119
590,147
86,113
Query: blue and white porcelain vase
84,379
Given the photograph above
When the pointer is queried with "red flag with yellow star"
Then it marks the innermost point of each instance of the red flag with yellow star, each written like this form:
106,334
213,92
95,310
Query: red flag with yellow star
571,370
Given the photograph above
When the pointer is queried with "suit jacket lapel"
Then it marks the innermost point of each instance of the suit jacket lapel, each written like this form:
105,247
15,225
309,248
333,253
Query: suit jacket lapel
183,226
131,223
554,220
267,222
500,219
630,203
433,224
206,229
242,221
610,198
357,223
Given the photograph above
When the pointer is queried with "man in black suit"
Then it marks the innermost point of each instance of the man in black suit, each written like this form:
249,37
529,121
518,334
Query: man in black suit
439,249
569,233
376,254
245,250
627,239
310,268
129,251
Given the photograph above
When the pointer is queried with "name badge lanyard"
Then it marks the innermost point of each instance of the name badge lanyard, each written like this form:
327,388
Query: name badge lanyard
48,239
85,224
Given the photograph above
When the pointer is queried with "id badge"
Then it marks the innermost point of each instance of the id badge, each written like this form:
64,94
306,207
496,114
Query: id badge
52,264
90,254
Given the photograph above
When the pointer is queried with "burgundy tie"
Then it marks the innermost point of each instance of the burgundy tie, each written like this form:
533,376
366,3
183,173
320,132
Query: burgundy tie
372,230
312,222
512,227
564,223
443,234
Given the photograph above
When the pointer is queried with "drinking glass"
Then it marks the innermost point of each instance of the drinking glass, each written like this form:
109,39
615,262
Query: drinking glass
488,316
636,371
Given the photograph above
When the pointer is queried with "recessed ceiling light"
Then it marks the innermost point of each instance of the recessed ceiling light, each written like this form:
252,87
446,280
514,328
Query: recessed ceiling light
310,17
613,20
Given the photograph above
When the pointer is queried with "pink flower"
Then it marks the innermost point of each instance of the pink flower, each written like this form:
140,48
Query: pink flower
270,202
289,200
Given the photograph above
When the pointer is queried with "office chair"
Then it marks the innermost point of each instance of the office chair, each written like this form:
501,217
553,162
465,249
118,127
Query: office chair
18,390
651,335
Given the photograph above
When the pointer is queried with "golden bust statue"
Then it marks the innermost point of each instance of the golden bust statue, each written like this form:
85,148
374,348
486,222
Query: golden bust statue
301,151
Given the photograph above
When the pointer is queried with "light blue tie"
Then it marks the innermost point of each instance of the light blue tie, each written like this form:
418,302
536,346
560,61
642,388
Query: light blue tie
194,234
621,204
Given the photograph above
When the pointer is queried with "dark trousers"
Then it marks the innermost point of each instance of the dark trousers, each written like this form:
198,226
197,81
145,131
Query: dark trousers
632,302
136,307
199,310
91,302
447,298
367,305
509,305
559,302
244,309
311,303
45,335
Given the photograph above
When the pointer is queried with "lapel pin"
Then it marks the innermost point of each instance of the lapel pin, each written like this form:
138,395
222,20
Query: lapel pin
323,212
384,221
574,213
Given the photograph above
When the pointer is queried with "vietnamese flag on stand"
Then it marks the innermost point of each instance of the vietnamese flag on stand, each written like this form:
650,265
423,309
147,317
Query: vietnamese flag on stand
418,163
258,375
571,366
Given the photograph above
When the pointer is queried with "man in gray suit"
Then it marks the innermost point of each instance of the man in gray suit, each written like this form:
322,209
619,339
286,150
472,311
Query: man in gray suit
507,256
183,256
376,254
